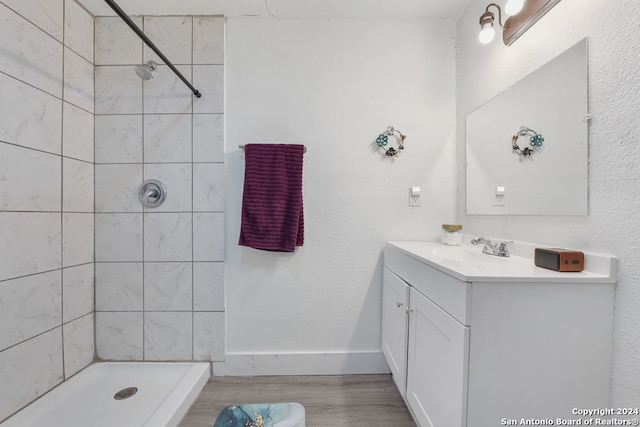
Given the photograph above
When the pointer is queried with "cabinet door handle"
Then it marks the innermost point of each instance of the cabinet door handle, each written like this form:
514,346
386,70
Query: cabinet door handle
408,310
399,304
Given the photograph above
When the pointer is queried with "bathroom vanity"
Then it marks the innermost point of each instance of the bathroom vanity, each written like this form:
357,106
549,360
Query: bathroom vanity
475,340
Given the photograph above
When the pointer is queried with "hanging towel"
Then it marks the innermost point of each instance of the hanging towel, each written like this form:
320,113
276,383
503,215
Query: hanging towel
272,211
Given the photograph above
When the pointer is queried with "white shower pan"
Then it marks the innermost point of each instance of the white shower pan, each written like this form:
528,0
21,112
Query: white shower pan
104,395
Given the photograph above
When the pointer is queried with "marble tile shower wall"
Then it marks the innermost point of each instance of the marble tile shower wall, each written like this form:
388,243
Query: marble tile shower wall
160,271
46,197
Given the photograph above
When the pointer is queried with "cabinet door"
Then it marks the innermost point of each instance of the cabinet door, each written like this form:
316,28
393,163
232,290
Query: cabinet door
437,365
395,301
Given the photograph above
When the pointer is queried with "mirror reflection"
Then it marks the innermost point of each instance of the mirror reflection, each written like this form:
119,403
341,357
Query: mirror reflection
527,148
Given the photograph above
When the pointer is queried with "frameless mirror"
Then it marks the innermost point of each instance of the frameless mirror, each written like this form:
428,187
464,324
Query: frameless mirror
547,179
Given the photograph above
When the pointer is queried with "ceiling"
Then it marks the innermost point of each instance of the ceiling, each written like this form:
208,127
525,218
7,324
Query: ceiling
366,9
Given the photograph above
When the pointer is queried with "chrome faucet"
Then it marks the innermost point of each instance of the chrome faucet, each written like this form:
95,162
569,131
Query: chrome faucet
497,249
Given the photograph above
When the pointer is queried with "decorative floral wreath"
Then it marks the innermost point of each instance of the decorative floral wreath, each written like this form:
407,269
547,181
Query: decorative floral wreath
383,139
535,141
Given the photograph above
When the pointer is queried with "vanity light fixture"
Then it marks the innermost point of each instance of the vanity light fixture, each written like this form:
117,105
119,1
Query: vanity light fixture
513,7
487,32
522,15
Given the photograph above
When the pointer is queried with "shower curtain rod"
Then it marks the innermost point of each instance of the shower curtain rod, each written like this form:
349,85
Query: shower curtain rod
149,43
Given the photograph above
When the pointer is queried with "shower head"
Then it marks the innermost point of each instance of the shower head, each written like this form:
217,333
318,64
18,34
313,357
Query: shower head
144,71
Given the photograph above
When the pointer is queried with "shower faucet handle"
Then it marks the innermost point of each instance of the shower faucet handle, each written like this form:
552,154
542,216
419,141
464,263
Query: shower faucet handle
152,193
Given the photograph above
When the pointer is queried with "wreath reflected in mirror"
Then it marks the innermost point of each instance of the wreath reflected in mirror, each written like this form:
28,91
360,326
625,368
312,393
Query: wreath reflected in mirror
535,142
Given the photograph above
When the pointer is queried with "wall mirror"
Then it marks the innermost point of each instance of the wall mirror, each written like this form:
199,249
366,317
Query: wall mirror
553,180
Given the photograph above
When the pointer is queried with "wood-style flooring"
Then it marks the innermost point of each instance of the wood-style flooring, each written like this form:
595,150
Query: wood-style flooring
329,401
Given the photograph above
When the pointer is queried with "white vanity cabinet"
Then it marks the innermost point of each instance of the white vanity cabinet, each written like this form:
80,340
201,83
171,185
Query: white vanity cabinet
472,344
395,303
438,349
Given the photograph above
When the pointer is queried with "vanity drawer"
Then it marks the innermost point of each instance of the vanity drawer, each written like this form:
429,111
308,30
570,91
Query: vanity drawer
449,293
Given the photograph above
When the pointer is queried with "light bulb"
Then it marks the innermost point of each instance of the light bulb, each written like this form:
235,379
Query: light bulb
487,33
513,7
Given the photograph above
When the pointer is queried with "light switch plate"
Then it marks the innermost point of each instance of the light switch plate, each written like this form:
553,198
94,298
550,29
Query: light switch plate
414,197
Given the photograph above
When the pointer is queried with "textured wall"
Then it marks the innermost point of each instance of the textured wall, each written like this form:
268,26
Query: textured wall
46,197
612,225
334,85
160,271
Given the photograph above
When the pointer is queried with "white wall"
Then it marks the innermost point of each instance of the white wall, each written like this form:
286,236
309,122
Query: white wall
612,225
334,85
46,197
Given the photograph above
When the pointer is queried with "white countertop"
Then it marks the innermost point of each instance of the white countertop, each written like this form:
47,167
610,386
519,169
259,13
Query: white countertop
469,264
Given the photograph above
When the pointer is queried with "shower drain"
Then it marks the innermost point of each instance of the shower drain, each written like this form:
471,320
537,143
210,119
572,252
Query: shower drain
125,393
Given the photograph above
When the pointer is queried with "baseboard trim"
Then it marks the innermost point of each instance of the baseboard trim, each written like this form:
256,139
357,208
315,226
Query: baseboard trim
364,362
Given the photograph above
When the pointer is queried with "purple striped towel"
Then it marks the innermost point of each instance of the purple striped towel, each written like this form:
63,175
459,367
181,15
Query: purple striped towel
272,211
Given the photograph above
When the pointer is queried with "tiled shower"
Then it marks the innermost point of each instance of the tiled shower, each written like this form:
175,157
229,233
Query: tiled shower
46,197
85,272
160,271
